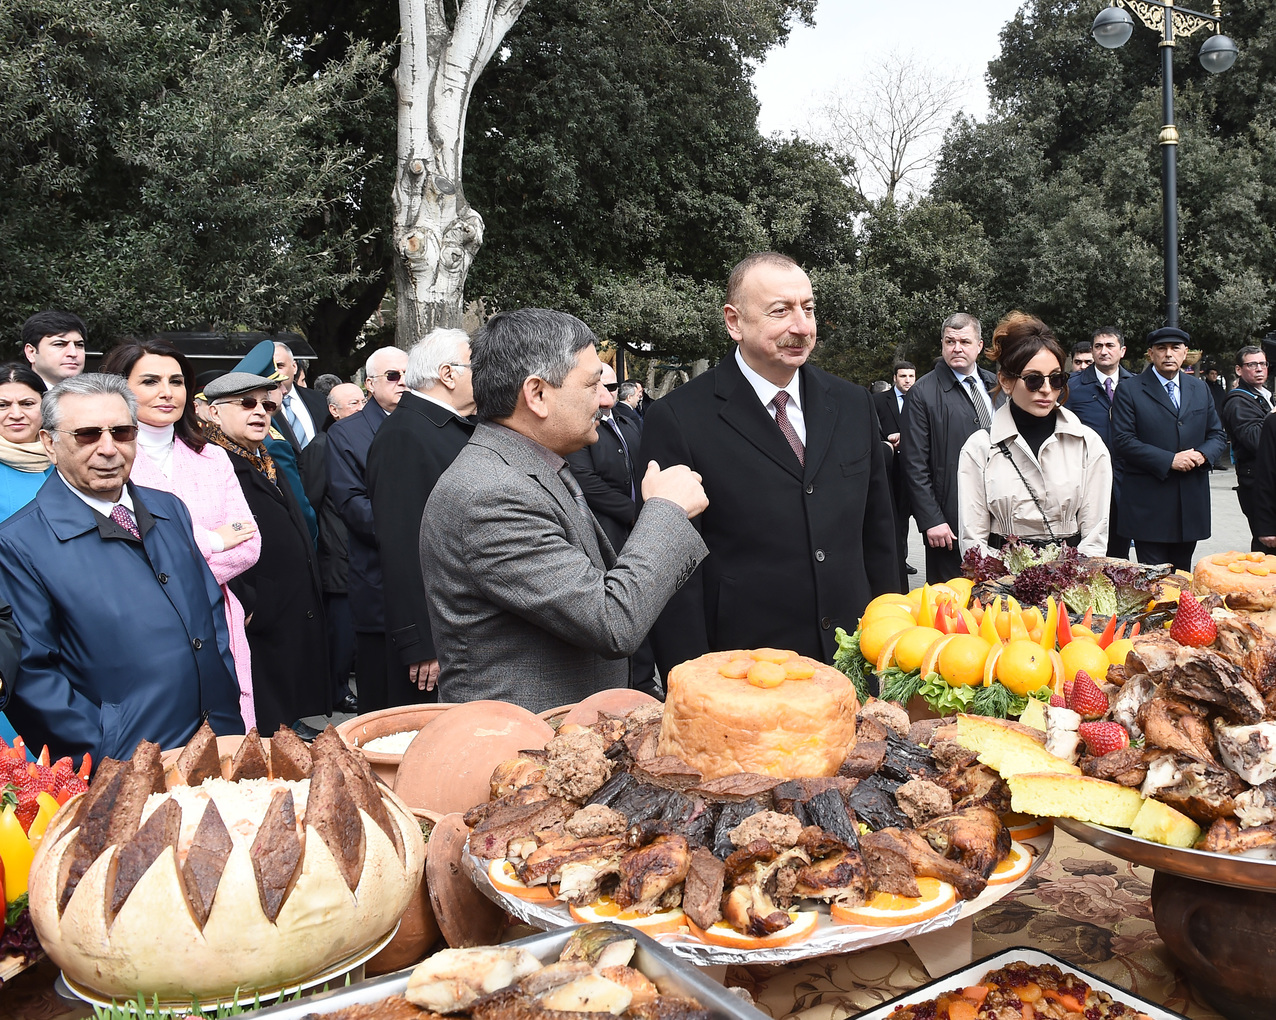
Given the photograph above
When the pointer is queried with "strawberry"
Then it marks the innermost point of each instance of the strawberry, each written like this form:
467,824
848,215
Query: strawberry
1192,624
1086,699
63,769
70,788
1104,737
26,814
1067,693
1057,702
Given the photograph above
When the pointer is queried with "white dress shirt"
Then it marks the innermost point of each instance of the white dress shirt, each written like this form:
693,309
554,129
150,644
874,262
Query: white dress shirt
766,391
102,506
297,407
978,387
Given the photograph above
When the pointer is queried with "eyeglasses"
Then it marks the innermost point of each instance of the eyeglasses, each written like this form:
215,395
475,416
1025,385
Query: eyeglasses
1035,380
612,387
248,403
394,375
459,364
1253,364
90,434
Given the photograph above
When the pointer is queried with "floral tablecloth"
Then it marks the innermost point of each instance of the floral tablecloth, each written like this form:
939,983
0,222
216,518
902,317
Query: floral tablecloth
1081,905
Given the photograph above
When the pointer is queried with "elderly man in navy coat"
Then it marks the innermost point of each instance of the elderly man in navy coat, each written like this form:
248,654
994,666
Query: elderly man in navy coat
123,631
1166,435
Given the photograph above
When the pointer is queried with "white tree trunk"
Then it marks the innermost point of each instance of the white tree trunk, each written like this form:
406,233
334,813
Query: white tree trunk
436,233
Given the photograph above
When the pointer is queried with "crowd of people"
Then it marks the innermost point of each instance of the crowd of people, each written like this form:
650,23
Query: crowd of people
499,516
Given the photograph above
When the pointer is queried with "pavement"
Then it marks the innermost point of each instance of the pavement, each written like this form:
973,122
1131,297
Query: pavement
1229,529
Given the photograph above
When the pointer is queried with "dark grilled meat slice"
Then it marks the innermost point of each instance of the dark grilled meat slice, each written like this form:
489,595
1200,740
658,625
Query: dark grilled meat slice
702,888
840,876
974,837
1126,766
923,860
975,785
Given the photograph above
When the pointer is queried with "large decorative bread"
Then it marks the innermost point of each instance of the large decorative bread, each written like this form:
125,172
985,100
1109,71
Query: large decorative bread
146,884
1246,580
792,717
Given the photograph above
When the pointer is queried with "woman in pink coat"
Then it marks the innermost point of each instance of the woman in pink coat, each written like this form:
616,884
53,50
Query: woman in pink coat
174,456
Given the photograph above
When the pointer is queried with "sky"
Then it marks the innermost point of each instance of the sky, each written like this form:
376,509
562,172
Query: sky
960,36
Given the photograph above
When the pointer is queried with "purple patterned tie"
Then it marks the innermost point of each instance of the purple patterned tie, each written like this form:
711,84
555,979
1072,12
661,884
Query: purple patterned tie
1107,385
121,516
786,426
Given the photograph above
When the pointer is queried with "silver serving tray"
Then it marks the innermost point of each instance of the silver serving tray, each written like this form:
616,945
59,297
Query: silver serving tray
975,972
1235,870
671,975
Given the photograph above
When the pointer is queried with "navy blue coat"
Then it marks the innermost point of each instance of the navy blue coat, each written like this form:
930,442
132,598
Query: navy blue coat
348,443
121,640
1088,400
1157,503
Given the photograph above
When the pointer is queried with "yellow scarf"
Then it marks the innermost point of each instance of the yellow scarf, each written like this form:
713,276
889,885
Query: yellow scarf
28,457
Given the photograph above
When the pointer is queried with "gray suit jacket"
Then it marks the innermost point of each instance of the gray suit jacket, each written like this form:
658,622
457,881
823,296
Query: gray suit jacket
528,602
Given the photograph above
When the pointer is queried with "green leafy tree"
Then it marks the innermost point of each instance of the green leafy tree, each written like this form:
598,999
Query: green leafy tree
163,168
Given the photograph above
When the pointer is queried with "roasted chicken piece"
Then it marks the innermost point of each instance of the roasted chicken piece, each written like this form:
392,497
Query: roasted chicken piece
751,906
883,850
839,876
974,837
1249,751
1197,674
1177,725
1257,805
669,1007
648,873
1250,647
1202,792
1136,691
1125,767
579,865
1226,837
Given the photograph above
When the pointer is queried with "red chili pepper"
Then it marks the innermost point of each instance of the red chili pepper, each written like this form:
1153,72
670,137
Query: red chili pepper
1089,615
1109,632
1120,633
1135,629
1065,627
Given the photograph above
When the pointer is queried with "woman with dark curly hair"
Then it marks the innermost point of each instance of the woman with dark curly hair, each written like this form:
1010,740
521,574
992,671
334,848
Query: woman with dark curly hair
1038,474
173,455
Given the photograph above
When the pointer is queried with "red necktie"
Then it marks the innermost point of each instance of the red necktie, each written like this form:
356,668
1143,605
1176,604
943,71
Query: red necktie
786,426
121,516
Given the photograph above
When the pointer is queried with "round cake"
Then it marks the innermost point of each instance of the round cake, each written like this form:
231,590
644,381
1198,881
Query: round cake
1246,579
767,711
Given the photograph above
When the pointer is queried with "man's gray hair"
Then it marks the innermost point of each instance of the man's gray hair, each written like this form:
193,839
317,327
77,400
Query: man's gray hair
92,384
428,355
370,366
511,347
1245,352
962,320
627,389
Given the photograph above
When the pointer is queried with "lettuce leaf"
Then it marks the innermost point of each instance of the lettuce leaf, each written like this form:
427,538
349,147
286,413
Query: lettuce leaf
850,660
944,698
1097,591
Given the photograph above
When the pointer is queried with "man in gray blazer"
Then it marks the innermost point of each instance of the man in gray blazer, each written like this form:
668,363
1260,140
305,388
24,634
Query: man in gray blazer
528,601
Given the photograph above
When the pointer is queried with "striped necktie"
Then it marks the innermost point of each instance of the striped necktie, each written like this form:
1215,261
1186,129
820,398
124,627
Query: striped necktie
981,409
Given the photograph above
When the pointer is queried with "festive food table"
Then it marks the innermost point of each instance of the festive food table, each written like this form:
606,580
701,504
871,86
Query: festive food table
1082,905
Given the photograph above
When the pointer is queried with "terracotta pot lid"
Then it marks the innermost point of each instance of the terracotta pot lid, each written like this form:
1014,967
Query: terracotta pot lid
448,767
616,701
465,916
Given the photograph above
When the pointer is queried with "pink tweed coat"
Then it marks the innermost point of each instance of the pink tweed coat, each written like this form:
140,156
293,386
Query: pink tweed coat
206,483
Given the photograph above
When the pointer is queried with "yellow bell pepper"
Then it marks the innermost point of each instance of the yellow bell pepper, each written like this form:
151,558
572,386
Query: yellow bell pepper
1051,624
16,853
926,609
1018,630
988,628
48,808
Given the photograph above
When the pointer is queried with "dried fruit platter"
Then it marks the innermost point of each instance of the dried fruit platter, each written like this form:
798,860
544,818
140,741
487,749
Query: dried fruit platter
828,936
1237,870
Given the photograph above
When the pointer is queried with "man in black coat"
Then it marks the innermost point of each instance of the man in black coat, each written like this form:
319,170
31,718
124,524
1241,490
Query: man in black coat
1090,395
1244,410
348,444
304,412
799,525
412,449
941,412
1166,435
890,410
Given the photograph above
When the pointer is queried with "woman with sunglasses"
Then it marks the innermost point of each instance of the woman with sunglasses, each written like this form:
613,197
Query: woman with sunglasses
173,455
23,463
1038,474
281,592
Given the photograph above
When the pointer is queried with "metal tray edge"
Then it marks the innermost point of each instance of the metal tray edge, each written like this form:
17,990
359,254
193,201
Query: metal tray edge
968,975
670,974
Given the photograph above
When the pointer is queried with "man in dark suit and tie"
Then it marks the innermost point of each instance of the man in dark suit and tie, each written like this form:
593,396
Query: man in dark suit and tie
1090,395
799,525
528,601
605,473
348,443
890,407
1166,435
411,451
304,411
1244,410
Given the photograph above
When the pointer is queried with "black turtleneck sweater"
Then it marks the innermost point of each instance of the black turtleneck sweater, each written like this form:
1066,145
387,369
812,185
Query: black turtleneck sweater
1034,430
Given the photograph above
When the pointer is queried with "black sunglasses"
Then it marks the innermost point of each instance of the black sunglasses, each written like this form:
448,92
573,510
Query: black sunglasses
90,434
612,387
394,375
1035,380
248,403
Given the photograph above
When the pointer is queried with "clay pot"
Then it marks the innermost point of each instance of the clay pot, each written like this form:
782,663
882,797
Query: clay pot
448,767
466,917
358,731
1224,939
616,701
418,929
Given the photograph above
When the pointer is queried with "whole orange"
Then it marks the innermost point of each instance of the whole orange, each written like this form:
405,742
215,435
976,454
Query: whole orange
874,635
961,661
910,648
1085,655
1024,666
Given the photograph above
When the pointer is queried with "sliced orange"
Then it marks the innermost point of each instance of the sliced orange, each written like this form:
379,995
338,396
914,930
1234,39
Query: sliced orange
722,934
912,645
1013,867
605,909
930,661
888,910
1056,684
877,635
1026,826
990,664
503,876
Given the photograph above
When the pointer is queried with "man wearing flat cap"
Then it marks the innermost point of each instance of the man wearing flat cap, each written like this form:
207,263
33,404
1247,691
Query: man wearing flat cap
1166,435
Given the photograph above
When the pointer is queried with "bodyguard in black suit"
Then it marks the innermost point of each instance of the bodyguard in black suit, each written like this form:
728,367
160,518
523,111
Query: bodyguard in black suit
315,417
348,443
417,443
799,524
890,405
1090,395
1245,409
939,416
1166,435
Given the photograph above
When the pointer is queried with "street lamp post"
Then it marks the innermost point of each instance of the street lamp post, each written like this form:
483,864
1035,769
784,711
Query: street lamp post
1113,28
